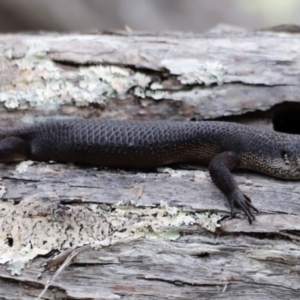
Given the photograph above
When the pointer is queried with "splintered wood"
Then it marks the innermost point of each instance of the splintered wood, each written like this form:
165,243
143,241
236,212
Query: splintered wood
70,232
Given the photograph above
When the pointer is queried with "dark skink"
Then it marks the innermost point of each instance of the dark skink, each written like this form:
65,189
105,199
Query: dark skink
223,146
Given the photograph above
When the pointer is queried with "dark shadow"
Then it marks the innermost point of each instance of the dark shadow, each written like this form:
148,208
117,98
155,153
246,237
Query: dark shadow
286,117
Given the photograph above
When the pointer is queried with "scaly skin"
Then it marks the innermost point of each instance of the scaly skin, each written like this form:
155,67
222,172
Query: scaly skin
223,146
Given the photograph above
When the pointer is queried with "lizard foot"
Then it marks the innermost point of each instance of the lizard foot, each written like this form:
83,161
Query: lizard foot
243,202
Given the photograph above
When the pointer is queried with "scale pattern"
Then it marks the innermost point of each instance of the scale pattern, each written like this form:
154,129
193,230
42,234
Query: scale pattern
150,144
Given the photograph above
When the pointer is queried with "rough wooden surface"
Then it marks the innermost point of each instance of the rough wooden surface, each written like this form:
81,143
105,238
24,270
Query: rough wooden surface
171,75
156,234
262,259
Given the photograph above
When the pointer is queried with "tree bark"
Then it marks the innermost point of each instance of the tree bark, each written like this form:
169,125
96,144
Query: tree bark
154,234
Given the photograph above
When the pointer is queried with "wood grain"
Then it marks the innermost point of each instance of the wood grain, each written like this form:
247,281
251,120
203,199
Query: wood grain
154,234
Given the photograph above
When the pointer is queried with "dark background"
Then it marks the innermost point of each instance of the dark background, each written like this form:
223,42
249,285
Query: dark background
154,15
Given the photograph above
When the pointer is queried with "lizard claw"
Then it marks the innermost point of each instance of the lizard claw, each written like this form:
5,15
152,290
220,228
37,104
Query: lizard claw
243,202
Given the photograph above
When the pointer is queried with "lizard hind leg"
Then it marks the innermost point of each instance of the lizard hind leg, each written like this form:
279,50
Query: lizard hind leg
14,149
219,169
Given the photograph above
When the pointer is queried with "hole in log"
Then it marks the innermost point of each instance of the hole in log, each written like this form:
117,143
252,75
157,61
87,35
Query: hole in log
286,117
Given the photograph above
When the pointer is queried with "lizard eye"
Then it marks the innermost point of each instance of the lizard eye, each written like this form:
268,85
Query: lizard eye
285,158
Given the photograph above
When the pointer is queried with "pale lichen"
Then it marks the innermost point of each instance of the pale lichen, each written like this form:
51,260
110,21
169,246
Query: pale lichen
23,166
37,80
193,71
35,227
209,73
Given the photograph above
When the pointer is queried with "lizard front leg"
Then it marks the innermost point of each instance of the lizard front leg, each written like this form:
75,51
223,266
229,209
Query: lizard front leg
219,169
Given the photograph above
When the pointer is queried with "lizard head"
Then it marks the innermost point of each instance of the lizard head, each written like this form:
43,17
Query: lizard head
288,165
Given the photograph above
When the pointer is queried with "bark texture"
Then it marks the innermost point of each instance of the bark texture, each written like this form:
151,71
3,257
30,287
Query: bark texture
154,234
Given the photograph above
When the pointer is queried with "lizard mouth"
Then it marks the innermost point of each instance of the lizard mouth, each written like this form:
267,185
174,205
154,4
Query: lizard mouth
294,173
288,172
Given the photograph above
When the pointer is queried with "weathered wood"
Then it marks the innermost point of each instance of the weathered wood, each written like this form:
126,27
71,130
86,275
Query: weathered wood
59,198
153,234
188,75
